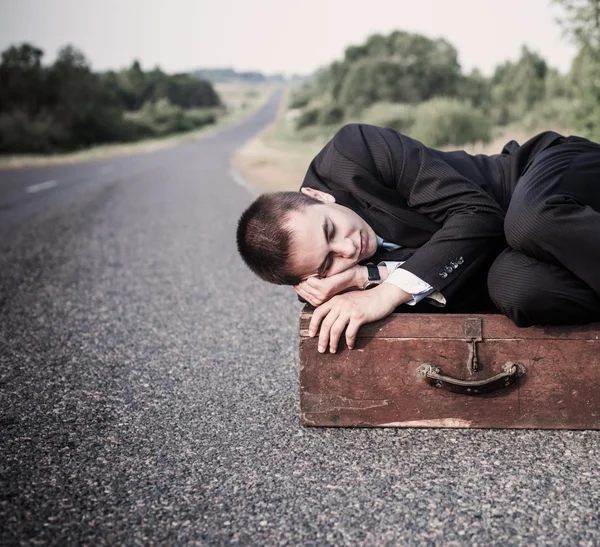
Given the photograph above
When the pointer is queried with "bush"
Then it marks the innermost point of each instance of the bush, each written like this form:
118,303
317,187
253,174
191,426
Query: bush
440,122
395,115
317,133
299,98
558,114
201,116
382,80
21,133
308,117
331,114
585,75
162,118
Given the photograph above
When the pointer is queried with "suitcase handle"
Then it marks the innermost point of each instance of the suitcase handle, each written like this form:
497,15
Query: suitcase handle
434,377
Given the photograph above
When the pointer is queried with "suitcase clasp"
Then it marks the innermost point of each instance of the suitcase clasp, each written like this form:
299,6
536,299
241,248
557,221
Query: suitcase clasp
473,334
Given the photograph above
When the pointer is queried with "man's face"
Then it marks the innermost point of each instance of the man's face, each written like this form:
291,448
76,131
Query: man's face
328,238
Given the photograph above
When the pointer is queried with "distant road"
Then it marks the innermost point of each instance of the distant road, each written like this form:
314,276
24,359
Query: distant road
149,393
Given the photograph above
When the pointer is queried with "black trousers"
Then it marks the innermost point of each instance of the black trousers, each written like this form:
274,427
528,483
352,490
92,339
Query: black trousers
550,272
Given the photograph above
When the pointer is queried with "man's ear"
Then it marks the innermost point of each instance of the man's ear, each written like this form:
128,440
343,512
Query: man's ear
317,194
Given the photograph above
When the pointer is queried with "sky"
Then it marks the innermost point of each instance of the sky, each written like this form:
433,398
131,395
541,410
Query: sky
277,35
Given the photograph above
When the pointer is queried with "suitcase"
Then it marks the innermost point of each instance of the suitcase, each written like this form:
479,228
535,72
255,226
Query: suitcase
453,370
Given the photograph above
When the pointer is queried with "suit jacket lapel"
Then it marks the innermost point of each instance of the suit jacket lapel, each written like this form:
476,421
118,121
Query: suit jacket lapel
395,229
401,254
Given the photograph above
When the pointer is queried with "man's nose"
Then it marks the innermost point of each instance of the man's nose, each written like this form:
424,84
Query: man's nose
345,248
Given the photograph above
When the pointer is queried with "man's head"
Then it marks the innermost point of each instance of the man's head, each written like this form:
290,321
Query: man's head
286,237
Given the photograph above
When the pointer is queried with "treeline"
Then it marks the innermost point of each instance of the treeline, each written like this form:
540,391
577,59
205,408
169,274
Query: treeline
133,87
229,75
416,85
66,106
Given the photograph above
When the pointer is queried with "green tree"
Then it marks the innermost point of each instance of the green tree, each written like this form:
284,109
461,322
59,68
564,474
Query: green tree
399,67
81,103
22,80
189,92
585,74
370,81
134,87
131,86
517,87
581,22
475,88
441,122
67,106
558,85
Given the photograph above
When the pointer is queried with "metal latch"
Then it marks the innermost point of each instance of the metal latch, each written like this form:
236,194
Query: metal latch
473,334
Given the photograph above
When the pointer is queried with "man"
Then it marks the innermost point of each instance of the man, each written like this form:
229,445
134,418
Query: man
444,231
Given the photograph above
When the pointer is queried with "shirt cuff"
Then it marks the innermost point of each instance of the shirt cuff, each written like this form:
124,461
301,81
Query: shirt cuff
413,285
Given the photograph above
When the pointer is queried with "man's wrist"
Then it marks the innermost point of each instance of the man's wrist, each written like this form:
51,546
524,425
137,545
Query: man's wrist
393,294
362,275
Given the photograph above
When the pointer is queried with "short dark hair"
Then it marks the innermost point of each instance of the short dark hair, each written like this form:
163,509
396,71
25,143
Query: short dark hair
263,239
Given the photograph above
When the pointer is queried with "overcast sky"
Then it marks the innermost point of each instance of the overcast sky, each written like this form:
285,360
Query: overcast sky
276,35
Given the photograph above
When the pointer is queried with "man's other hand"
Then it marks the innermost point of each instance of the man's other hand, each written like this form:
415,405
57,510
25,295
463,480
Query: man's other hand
316,290
350,311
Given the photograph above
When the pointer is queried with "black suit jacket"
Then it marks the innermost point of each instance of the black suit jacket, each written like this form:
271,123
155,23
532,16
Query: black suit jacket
443,208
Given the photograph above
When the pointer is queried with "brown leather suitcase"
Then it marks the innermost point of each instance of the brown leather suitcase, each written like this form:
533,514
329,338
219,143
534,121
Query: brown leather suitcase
461,371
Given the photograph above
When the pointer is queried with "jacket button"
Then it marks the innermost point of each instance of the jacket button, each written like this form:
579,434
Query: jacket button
443,275
460,260
448,269
454,265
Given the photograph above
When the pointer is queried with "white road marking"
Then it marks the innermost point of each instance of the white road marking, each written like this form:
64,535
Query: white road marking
241,181
41,186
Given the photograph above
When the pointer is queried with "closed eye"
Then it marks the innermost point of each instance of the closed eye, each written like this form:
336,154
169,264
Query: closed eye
329,233
328,230
325,266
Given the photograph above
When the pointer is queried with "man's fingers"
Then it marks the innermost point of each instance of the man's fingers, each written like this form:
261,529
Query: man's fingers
312,281
351,332
325,328
311,294
336,332
319,287
323,285
317,317
306,295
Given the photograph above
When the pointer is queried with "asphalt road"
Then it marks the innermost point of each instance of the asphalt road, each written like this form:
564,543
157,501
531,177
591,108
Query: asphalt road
149,389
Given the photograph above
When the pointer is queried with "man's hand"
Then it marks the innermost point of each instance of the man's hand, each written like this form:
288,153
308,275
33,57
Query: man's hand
350,311
317,290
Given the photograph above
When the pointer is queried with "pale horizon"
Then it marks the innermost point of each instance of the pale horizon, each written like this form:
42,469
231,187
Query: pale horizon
270,36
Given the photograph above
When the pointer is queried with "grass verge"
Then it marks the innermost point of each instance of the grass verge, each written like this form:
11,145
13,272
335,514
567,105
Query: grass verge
270,162
277,159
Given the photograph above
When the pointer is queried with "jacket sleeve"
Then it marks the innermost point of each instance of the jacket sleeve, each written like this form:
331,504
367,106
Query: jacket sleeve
472,222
